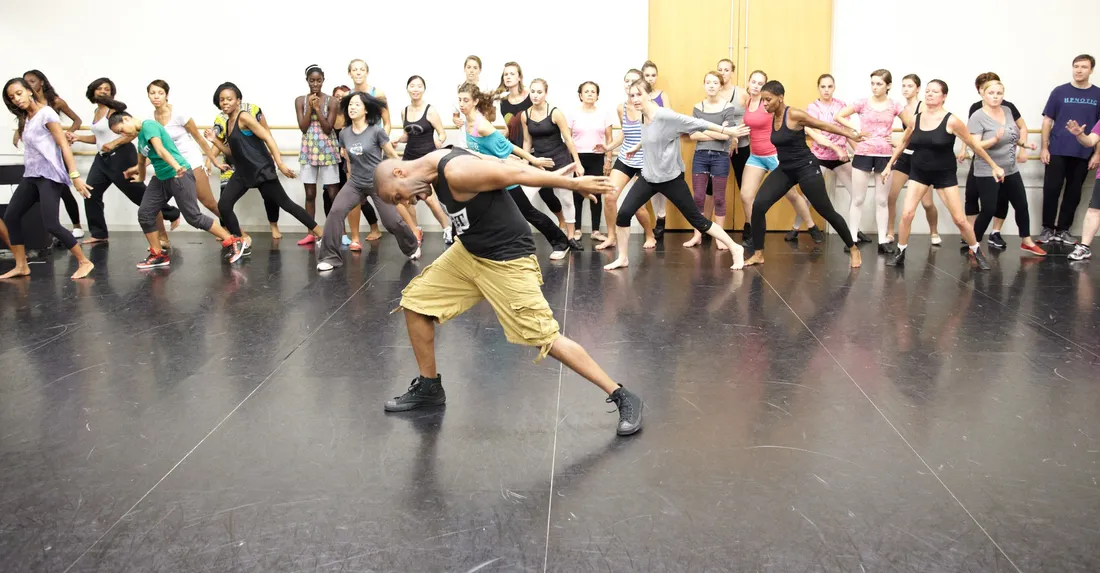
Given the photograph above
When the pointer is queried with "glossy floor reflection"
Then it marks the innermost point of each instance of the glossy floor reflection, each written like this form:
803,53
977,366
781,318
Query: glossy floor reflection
800,417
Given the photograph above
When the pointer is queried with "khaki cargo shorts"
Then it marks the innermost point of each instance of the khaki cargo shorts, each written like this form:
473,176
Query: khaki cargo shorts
457,280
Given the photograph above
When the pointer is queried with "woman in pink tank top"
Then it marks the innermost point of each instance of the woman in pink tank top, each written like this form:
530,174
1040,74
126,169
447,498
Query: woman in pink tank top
763,160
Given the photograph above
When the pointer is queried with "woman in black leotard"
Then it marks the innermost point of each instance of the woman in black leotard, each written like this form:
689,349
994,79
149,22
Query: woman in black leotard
797,166
931,135
423,133
550,137
255,158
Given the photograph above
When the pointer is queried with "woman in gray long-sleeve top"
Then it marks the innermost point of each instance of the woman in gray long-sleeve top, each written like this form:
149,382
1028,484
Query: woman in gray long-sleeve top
663,170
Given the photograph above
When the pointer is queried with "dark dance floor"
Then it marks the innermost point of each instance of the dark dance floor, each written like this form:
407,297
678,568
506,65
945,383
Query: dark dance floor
799,417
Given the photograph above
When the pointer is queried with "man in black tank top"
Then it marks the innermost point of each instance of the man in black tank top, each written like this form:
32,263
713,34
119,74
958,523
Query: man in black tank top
492,259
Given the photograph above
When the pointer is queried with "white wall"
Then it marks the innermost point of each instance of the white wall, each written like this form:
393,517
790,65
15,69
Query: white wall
268,45
1030,45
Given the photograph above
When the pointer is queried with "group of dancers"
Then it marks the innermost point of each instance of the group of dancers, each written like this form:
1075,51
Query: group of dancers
482,194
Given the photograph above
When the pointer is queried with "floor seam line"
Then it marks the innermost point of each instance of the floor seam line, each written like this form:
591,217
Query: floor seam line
225,418
557,411
891,424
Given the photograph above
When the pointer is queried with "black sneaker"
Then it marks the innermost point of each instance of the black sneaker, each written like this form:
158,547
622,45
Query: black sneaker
630,411
423,392
817,235
861,238
887,248
659,228
979,257
791,236
575,245
897,259
155,260
996,242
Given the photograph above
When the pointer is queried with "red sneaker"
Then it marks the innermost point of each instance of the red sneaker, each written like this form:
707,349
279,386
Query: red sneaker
1033,249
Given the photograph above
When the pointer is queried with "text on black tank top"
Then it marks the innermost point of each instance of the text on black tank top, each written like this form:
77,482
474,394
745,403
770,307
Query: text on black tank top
490,225
251,160
421,135
511,112
790,146
546,139
933,150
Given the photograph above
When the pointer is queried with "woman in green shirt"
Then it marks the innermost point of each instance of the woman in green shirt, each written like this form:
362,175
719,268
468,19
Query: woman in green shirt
172,178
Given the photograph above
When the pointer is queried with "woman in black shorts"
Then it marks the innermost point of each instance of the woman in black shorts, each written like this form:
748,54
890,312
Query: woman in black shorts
931,136
910,90
422,136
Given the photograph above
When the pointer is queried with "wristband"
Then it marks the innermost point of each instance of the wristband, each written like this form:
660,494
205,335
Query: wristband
74,175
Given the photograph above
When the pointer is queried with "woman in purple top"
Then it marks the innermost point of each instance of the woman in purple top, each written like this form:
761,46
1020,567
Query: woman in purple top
45,178
45,94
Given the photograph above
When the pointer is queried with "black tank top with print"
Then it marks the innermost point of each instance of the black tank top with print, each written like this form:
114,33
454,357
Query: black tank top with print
490,225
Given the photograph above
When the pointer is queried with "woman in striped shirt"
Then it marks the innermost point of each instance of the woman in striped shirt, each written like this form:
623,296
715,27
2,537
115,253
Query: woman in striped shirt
625,169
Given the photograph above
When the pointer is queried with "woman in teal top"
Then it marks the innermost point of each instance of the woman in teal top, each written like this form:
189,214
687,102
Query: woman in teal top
483,138
172,178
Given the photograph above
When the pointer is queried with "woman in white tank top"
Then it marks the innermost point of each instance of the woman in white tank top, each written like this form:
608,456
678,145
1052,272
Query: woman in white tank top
115,155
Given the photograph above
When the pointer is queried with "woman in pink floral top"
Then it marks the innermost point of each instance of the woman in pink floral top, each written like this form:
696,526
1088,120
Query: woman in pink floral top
876,118
830,149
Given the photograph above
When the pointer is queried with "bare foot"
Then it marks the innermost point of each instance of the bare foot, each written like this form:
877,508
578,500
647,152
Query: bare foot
695,241
650,243
618,264
165,245
757,258
93,240
275,232
857,259
738,258
83,270
175,223
607,244
16,272
598,236
722,246
374,235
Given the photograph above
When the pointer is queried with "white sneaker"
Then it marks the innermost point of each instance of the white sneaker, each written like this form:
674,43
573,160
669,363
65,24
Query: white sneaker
557,255
323,266
415,256
936,240
78,233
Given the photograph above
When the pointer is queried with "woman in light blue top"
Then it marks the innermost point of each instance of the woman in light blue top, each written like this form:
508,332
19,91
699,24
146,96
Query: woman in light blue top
484,139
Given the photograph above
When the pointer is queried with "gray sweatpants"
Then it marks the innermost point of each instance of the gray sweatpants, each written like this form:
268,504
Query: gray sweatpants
347,199
160,191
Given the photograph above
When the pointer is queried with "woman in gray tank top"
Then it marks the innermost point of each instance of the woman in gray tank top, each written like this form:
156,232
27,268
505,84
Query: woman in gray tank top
738,98
710,167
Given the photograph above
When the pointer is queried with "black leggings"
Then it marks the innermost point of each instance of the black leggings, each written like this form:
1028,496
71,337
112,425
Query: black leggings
547,195
991,194
70,206
675,190
271,190
106,171
544,224
778,183
47,194
972,204
1068,170
737,161
593,165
